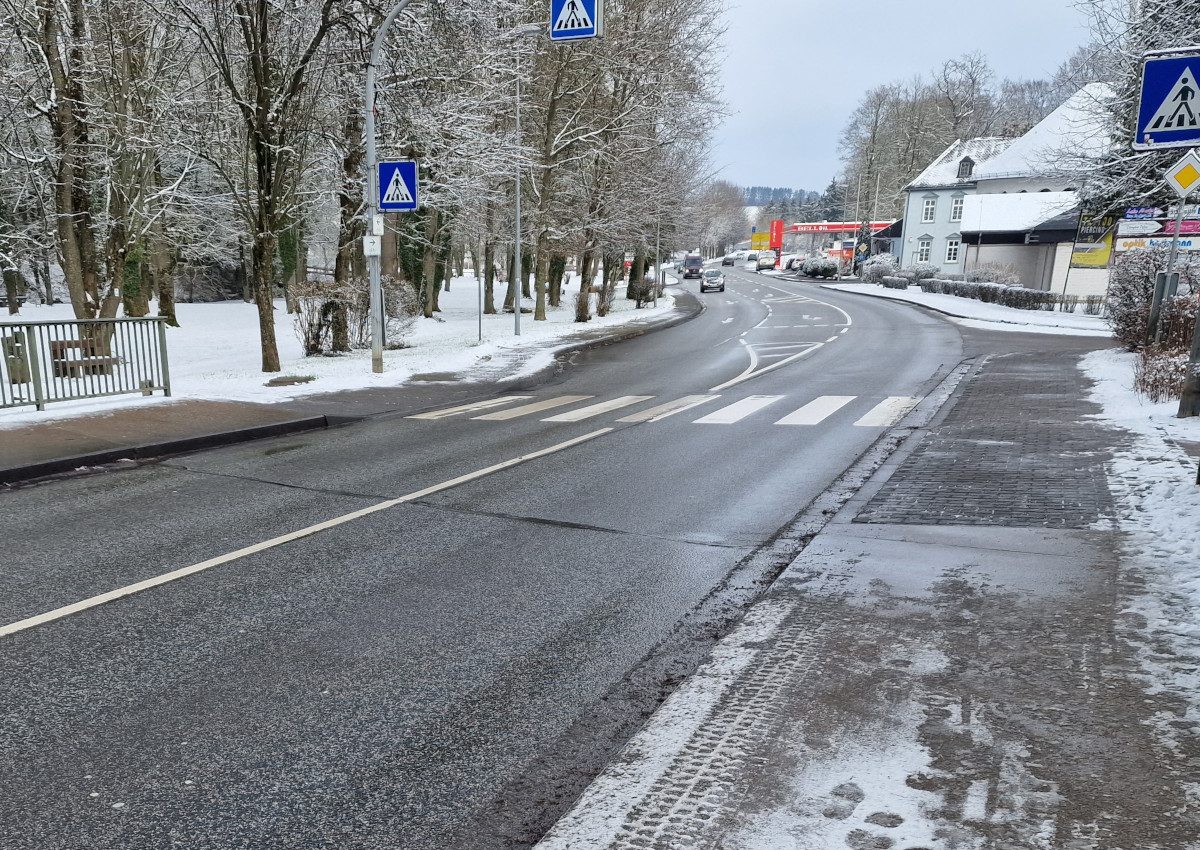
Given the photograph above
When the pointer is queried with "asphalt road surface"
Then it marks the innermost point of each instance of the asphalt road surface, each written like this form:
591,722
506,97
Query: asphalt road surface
399,634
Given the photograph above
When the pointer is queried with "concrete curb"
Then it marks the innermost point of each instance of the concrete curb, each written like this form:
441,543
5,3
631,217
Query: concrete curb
164,448
148,451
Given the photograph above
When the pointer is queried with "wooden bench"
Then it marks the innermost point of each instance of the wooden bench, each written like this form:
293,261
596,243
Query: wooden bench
88,363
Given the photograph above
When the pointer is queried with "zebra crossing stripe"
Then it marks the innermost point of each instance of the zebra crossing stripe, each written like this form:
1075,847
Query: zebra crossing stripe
536,407
739,410
662,411
596,409
468,408
817,410
888,412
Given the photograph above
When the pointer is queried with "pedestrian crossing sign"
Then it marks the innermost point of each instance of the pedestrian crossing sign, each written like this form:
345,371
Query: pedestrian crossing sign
571,19
1169,110
398,186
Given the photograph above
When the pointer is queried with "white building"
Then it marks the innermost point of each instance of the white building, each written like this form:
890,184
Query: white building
934,203
1012,202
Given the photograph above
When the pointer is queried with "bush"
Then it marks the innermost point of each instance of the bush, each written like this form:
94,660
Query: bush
922,271
875,268
994,273
893,282
1093,305
1160,375
1131,290
820,267
1067,303
332,319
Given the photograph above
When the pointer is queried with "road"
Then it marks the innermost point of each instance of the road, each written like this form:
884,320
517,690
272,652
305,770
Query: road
425,630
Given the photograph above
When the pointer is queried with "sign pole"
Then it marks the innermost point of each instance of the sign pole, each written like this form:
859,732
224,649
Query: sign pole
373,259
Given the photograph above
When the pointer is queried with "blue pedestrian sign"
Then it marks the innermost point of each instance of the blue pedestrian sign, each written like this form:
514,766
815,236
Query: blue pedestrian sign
1169,109
398,186
576,19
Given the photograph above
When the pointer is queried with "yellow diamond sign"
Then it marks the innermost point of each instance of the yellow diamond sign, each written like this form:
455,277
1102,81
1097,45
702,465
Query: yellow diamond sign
1184,175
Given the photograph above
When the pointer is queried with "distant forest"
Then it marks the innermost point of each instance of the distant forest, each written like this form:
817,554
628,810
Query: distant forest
761,196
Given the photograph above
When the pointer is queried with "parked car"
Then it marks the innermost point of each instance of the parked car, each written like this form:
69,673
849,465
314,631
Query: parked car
693,264
795,263
740,255
766,260
729,259
751,256
712,279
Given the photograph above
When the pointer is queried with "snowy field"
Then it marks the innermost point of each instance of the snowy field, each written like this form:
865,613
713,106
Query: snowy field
976,314
215,352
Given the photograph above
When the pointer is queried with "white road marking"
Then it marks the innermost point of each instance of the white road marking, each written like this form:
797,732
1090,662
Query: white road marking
536,407
817,410
662,411
750,370
888,411
831,339
843,330
174,575
739,410
727,321
468,408
596,409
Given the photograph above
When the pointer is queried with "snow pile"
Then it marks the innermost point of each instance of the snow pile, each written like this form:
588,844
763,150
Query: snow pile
215,353
1158,501
977,314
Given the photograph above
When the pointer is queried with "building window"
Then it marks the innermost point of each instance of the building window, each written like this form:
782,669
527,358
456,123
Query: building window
966,167
956,208
929,212
924,250
952,250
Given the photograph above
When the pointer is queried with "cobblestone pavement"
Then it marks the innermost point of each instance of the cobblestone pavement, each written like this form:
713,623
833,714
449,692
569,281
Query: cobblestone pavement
1016,449
950,666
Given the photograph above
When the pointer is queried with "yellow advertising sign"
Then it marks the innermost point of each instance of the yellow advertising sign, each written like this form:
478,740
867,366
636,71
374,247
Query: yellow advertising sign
1094,243
760,241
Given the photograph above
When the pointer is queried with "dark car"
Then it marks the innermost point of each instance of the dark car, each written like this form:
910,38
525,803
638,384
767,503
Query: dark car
728,259
693,264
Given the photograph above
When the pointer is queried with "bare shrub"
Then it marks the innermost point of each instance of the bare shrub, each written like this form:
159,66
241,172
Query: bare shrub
994,273
583,304
332,319
879,266
1067,303
1159,375
1093,305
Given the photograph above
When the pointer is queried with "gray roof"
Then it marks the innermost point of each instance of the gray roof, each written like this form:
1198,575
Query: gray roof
943,172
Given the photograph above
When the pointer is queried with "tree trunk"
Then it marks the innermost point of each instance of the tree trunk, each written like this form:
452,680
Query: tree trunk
489,277
162,272
636,272
510,295
428,280
12,289
542,278
558,267
262,260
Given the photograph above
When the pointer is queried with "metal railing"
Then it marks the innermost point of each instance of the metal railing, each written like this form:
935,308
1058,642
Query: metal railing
41,362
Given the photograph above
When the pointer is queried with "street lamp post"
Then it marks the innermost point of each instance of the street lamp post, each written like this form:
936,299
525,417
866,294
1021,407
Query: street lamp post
518,273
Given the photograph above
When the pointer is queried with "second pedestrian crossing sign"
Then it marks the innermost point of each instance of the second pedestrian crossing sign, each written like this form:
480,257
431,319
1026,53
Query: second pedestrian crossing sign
571,19
1169,110
398,186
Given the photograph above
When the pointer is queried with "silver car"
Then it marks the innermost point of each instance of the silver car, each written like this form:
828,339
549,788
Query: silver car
712,279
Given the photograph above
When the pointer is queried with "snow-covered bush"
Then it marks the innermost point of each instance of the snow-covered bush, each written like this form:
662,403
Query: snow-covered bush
922,271
875,268
332,319
1131,290
893,282
1161,370
820,267
994,273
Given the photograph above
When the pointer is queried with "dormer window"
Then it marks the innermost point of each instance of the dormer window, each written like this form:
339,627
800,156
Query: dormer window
966,167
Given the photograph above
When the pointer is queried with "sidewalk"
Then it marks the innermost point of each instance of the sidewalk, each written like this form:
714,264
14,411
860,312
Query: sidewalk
951,663
170,426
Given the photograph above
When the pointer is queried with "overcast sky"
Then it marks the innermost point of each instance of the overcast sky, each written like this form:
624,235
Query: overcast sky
794,70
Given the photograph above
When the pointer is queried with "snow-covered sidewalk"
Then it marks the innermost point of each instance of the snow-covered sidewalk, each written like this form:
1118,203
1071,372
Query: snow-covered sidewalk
215,353
976,314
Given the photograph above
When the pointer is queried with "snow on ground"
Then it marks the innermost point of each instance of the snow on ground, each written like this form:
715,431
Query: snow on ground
976,314
215,353
1153,481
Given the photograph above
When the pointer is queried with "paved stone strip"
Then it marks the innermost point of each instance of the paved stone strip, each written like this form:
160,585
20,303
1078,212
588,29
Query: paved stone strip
1017,449
682,805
